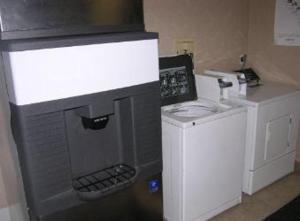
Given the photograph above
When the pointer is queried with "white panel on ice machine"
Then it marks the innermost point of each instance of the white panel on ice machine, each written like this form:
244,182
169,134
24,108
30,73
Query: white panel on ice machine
40,75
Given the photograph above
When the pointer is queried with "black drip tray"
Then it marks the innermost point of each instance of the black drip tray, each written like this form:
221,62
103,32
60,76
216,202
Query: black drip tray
104,182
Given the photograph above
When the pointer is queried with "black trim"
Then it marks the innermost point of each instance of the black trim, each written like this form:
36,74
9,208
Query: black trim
71,31
48,18
34,44
224,84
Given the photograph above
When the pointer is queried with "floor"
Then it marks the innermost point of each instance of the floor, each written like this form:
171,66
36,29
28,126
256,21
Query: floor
265,202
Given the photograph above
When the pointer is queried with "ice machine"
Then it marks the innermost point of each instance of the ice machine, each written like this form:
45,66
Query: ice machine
86,121
82,79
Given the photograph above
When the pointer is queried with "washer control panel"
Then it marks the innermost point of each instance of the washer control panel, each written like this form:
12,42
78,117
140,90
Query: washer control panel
174,82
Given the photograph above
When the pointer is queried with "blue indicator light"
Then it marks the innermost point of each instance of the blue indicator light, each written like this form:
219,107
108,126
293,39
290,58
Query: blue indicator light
153,186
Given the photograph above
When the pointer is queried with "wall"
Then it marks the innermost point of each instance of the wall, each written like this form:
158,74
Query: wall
3,201
219,29
276,63
11,193
4,144
3,140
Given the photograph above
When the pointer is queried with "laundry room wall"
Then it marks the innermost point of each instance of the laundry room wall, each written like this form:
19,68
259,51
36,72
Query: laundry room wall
3,139
276,63
11,193
219,29
3,201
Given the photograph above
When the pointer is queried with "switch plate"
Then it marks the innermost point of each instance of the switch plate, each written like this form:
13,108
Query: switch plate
185,46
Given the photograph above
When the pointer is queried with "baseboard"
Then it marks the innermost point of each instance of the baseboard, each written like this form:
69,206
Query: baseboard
17,212
4,214
220,209
297,166
13,213
269,173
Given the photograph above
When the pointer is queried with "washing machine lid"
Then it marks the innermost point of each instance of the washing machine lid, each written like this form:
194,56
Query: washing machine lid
177,82
192,109
193,113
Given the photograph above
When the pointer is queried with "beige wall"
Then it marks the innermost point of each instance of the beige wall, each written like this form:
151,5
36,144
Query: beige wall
3,139
219,29
277,63
3,202
10,193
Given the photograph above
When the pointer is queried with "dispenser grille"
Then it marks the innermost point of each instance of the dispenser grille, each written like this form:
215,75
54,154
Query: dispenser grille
105,181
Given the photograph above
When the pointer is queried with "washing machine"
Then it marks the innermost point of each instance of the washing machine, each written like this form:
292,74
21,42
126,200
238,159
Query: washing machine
203,146
272,128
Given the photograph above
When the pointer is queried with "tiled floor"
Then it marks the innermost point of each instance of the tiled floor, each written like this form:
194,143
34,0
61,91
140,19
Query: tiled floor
265,202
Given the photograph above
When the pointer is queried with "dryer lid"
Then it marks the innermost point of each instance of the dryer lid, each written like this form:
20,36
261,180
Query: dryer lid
177,81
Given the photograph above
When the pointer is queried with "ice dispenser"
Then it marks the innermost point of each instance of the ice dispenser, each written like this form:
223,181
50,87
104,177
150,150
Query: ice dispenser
86,120
101,146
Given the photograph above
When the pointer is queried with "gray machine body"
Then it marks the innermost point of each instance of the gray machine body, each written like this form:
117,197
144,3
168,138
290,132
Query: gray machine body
54,148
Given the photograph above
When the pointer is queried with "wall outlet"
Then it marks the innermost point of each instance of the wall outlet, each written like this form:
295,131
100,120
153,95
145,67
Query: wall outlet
185,46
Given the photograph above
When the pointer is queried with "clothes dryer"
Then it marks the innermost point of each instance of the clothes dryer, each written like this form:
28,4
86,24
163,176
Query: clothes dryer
272,128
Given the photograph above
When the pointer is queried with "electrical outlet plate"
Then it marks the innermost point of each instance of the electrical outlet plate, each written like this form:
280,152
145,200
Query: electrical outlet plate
185,46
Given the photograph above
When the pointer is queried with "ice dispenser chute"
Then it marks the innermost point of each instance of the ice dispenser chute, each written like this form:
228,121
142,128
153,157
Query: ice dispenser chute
101,147
96,123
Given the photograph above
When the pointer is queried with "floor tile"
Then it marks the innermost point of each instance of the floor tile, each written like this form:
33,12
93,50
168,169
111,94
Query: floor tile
265,202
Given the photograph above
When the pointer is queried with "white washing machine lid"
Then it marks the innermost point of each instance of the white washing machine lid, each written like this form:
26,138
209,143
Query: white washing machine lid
188,114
